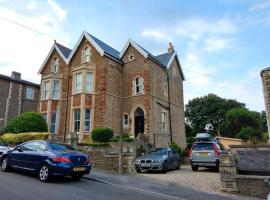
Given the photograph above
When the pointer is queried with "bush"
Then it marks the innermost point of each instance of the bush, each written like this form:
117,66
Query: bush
176,147
102,135
14,139
95,144
249,134
26,122
126,137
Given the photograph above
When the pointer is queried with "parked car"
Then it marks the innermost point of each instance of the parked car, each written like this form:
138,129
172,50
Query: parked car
160,159
47,159
3,148
205,152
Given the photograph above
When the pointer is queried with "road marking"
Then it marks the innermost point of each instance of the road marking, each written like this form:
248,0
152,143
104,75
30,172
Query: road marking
136,189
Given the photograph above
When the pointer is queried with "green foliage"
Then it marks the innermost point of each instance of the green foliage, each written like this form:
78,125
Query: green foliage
18,138
209,109
251,135
26,122
96,144
176,147
102,135
126,137
184,153
265,137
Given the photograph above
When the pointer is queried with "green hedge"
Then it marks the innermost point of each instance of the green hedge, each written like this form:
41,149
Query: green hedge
26,122
101,135
95,144
125,136
14,139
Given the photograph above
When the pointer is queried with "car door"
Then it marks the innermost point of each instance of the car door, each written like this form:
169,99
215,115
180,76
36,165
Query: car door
170,159
19,156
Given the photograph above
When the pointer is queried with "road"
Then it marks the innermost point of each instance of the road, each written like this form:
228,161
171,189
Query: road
18,186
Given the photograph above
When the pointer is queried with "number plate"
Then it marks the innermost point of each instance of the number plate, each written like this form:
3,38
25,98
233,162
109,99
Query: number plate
78,169
145,164
203,154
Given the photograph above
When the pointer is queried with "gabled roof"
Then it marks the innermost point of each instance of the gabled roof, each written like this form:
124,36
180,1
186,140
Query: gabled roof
62,50
164,58
100,46
19,81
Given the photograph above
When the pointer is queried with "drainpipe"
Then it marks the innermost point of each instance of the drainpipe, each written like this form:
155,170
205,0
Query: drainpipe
169,101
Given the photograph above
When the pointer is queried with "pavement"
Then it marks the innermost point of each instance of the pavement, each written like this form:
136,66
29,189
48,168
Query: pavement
98,185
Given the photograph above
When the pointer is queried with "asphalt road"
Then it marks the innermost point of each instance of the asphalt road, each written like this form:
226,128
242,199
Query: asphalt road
18,186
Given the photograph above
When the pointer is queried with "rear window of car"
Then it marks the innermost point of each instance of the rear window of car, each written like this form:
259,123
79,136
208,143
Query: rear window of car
60,147
202,146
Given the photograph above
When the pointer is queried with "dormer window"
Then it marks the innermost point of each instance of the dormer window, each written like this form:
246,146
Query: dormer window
138,85
86,55
55,65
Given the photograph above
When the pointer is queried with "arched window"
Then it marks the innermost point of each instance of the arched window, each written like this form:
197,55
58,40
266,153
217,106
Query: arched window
55,65
86,55
138,85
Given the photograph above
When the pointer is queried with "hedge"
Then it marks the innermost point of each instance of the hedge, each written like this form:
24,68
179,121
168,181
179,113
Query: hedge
95,144
101,135
18,138
26,122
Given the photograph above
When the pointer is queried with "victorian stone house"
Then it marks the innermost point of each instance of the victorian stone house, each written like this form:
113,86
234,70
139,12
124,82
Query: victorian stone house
94,85
16,96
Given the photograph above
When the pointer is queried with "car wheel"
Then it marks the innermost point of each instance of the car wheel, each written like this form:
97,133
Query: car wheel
5,164
165,167
194,168
77,177
44,173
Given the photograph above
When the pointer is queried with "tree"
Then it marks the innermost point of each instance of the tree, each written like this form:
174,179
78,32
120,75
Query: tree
250,134
26,122
209,109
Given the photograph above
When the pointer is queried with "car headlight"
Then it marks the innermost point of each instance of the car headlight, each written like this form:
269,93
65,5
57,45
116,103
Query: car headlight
137,161
157,161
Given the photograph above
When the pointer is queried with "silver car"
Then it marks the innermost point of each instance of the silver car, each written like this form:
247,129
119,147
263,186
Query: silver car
160,159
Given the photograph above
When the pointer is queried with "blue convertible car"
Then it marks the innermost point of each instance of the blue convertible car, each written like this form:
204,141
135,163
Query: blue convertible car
47,159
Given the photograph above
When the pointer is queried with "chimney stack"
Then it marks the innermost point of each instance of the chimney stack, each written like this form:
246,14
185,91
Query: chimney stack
16,75
170,49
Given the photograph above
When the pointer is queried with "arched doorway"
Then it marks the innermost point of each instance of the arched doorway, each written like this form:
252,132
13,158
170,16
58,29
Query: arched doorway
139,121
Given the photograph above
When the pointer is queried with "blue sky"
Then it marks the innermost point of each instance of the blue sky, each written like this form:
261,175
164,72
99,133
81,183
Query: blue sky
222,44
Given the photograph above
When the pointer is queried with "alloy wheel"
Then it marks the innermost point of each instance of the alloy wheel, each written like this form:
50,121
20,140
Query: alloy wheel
44,173
4,164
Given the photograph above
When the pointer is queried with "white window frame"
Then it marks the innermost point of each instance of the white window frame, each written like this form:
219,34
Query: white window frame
76,120
89,83
46,90
55,90
55,65
164,122
76,84
139,85
87,120
125,120
86,54
27,94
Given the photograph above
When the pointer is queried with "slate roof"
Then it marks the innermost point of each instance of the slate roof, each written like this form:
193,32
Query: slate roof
19,81
164,58
106,48
65,51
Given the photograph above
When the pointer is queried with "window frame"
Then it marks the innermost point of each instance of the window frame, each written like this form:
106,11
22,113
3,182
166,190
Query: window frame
32,93
46,91
166,87
76,91
125,120
138,84
89,83
55,65
86,54
75,120
54,90
164,122
87,120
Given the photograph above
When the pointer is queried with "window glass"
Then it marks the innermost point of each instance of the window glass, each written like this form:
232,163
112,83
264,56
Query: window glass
29,93
138,85
125,120
87,120
78,82
203,146
60,147
159,151
165,82
55,65
89,82
164,121
53,121
76,118
30,146
56,89
46,89
86,55
44,115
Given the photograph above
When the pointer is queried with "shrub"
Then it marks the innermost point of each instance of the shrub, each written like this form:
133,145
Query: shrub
95,144
176,147
102,135
14,139
251,135
26,122
126,137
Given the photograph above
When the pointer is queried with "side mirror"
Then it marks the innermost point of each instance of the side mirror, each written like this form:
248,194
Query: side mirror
19,149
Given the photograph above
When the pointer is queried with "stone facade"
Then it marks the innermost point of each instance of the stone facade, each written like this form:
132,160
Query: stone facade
143,90
265,75
14,99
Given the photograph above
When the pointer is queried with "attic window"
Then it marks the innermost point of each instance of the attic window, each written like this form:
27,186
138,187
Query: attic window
131,57
86,55
55,65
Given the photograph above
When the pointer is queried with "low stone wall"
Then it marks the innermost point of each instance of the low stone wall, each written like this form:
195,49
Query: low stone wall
241,160
108,158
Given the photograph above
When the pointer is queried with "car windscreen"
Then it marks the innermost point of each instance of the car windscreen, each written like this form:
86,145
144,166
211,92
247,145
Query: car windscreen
202,146
61,147
159,151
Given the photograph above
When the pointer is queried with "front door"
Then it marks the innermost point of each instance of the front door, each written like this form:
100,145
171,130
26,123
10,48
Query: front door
139,125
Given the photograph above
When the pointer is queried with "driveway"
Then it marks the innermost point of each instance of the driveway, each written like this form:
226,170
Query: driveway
204,180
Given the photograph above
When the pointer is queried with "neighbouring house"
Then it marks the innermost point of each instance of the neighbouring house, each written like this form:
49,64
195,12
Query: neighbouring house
16,96
93,85
265,75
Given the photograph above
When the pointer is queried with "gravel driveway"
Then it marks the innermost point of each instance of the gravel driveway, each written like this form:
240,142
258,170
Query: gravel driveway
205,179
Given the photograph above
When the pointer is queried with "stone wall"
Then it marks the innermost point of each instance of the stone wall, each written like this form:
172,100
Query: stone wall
265,75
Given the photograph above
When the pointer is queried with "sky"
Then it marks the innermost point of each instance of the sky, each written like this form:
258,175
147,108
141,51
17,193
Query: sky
222,44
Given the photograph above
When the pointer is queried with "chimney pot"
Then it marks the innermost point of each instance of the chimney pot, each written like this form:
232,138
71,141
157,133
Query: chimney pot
16,75
170,48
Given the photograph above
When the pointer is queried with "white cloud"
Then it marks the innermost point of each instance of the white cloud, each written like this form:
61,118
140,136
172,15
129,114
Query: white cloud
260,5
217,44
155,34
